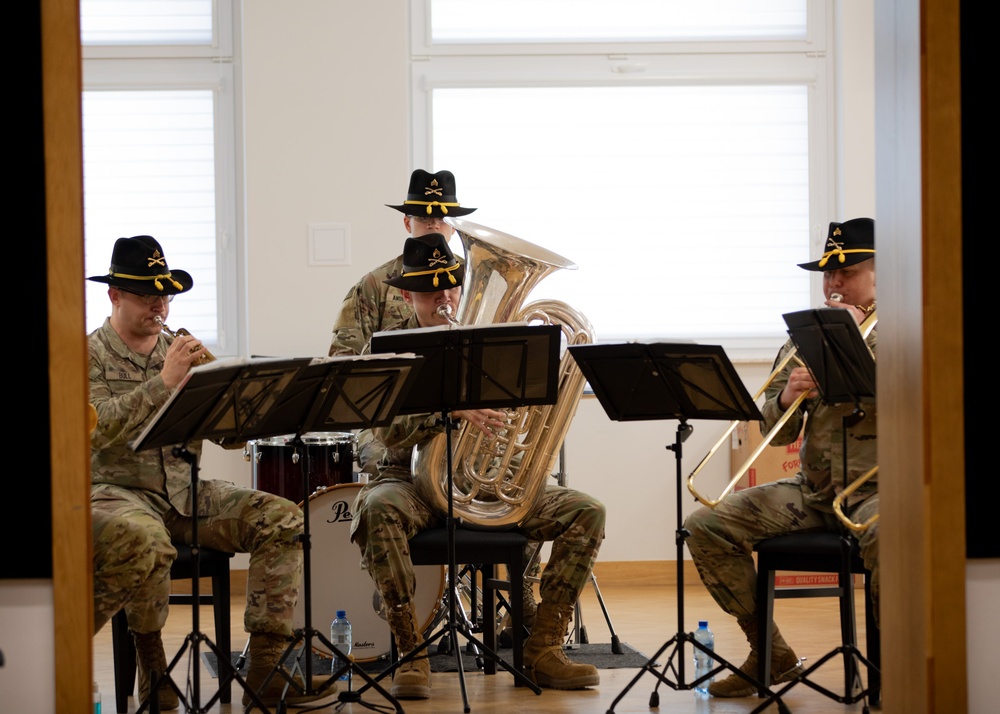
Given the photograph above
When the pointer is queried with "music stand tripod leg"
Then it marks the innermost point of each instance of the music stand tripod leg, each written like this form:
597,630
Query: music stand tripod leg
196,637
452,629
307,633
676,662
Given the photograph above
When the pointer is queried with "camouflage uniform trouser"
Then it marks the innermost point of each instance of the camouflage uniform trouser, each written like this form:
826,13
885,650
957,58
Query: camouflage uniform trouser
722,538
134,532
389,512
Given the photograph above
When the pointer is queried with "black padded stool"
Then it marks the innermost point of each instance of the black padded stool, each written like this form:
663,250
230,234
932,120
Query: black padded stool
484,549
818,553
212,564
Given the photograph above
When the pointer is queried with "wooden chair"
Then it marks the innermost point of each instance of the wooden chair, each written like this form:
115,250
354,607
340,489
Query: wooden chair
213,564
482,551
820,553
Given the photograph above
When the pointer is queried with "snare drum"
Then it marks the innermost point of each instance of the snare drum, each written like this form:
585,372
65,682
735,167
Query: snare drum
278,464
338,582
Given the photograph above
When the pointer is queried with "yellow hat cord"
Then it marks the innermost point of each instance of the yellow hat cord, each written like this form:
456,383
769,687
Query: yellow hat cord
840,253
154,278
430,205
435,273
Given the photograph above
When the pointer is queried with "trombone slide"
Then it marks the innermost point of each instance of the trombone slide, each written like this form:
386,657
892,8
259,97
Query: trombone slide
866,326
838,502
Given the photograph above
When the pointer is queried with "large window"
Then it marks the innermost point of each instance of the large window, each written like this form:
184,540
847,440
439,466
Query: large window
681,162
159,130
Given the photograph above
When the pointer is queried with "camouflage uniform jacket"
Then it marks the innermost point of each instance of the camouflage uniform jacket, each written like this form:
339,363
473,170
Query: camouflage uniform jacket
126,389
369,307
822,451
389,448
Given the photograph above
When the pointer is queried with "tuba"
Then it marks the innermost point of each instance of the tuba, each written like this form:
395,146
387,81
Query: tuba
497,480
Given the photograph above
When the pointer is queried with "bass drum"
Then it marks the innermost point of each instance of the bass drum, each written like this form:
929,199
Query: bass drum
340,583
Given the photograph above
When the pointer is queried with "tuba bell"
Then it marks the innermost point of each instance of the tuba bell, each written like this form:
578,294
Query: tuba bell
497,480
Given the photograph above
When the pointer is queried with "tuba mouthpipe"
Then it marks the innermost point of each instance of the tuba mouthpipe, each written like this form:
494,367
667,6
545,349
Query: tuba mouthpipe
445,312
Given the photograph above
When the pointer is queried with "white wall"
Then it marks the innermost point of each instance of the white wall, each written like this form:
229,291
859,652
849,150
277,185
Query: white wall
327,140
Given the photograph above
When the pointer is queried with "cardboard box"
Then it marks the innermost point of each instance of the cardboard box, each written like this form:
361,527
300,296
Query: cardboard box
773,464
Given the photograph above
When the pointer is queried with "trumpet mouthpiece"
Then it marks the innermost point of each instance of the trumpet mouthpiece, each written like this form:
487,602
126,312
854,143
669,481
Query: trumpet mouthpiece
158,320
836,297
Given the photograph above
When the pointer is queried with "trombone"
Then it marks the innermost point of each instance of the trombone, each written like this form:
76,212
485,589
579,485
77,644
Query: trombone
866,326
838,502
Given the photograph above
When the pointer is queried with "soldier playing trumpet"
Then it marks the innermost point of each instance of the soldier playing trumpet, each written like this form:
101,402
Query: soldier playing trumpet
141,501
721,538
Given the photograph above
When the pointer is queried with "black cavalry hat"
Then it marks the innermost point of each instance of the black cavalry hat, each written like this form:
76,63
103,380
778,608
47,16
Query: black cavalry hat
848,243
428,266
139,266
432,195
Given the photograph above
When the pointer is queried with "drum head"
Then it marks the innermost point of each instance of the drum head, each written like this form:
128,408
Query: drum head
329,437
340,583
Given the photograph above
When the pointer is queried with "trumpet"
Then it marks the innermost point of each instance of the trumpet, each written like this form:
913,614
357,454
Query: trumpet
866,326
206,356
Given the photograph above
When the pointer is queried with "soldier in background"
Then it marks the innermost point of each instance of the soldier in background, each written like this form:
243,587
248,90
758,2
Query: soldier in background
372,304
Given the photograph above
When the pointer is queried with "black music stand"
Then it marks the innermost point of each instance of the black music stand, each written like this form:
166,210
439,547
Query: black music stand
492,366
241,399
832,347
640,382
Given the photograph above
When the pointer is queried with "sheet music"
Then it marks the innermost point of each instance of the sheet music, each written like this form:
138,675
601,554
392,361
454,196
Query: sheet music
238,399
450,328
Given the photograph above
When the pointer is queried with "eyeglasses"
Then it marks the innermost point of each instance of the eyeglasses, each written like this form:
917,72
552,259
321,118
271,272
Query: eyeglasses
149,299
427,220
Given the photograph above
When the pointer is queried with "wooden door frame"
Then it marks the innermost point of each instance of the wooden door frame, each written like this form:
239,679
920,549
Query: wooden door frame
72,560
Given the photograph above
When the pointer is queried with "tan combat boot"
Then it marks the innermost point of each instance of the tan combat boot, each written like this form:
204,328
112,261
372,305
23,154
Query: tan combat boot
150,658
265,652
413,679
545,662
530,610
785,666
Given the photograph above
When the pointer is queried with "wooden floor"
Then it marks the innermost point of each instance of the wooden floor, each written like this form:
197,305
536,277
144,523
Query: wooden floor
643,616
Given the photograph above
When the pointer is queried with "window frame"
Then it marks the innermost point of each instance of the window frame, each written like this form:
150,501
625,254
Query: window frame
213,67
805,62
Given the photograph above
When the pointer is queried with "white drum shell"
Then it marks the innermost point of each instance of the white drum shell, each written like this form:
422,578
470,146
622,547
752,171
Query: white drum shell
340,583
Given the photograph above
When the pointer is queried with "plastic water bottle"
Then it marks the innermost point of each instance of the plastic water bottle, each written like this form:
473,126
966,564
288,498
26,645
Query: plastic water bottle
97,699
340,637
703,663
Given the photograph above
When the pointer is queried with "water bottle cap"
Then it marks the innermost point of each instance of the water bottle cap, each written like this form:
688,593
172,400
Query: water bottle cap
702,623
341,613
